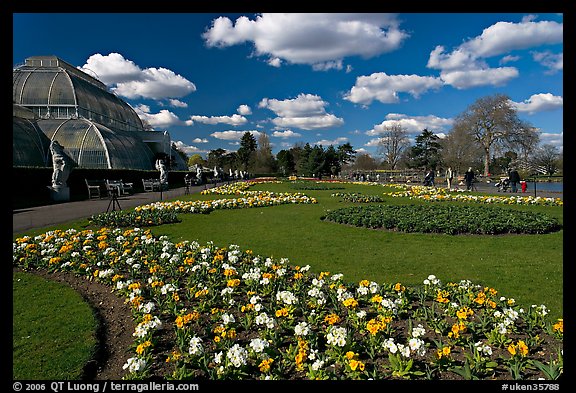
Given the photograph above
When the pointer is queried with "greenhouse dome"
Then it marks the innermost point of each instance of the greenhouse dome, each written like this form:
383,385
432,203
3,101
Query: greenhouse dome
97,128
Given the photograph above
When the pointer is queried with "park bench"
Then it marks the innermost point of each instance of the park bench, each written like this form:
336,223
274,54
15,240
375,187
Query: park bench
95,188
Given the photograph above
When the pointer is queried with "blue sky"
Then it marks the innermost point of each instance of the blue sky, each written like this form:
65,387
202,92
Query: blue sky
325,79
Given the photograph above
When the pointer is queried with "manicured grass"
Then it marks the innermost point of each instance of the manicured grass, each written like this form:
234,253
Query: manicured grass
53,330
525,267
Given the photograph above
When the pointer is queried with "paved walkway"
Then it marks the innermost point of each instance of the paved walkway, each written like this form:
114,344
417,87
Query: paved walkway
59,213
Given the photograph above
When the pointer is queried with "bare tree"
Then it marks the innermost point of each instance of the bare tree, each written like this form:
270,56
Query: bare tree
392,144
548,157
264,158
491,120
459,150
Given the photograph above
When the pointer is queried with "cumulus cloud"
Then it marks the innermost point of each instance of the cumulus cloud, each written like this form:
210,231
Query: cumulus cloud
509,59
286,134
465,66
200,140
335,142
553,62
321,40
539,103
555,139
188,149
234,120
162,119
177,103
385,88
306,112
231,135
244,110
126,79
412,124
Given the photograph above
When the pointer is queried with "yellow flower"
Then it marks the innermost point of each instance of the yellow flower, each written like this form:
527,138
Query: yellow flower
350,302
332,319
350,355
142,347
559,326
399,287
283,312
265,365
523,348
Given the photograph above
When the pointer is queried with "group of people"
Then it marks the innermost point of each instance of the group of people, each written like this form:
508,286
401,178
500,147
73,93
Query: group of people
469,177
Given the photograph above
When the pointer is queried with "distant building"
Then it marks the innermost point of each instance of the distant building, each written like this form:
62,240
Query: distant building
53,100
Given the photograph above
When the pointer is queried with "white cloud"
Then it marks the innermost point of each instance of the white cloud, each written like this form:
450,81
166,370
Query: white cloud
554,62
231,135
200,140
286,134
412,124
321,40
385,88
335,142
465,79
555,139
465,66
234,120
177,103
372,142
244,110
306,112
539,103
162,119
126,79
508,59
187,148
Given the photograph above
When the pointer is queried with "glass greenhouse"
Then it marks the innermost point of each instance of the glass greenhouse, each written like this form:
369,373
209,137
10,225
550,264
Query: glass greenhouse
96,128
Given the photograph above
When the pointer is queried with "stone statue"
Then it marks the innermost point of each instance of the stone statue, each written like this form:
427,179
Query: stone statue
162,168
62,165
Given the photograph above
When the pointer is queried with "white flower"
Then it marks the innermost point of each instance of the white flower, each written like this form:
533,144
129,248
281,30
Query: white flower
258,345
390,345
418,331
286,297
317,365
134,365
195,346
336,336
237,355
228,318
218,357
302,329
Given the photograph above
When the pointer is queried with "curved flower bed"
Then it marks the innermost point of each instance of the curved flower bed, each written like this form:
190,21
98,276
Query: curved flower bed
433,194
159,213
204,312
445,219
357,197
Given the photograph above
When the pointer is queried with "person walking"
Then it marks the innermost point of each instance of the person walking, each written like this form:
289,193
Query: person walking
514,178
469,178
449,177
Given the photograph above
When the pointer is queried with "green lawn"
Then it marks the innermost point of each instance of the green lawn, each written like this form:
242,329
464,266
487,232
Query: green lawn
54,330
525,267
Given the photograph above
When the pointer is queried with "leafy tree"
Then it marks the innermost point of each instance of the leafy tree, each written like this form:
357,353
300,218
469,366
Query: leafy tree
345,153
196,159
332,161
426,152
286,163
392,144
303,166
215,157
246,151
492,121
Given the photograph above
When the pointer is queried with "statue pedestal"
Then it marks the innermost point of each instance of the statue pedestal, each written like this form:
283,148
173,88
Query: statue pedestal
60,193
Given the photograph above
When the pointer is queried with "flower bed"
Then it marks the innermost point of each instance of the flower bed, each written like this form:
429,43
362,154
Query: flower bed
357,197
204,312
433,194
445,219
